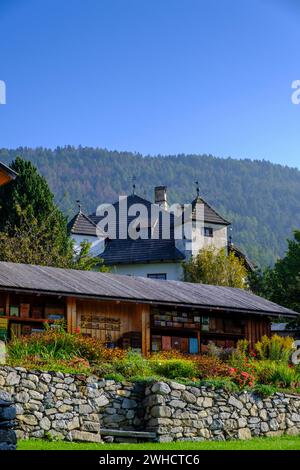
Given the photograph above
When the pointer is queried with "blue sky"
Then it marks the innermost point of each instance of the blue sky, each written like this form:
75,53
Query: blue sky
152,76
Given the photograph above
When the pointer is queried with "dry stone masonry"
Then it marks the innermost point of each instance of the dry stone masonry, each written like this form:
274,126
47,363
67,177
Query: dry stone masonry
7,415
76,407
178,412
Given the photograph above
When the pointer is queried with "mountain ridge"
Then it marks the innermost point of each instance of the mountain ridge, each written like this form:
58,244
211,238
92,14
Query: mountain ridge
259,197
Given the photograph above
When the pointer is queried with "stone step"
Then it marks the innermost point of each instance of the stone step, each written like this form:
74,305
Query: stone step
127,433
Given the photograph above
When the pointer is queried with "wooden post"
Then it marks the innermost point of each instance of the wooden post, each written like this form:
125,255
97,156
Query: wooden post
71,314
146,346
7,303
199,341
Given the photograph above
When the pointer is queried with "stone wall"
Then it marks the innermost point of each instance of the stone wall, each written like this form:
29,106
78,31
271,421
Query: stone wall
179,412
65,406
76,407
7,415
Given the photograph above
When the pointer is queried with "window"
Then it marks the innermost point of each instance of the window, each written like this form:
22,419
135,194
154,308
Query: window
208,232
157,276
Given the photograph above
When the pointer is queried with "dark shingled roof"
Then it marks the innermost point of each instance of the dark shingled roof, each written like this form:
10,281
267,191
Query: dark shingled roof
129,251
140,251
81,224
210,214
39,279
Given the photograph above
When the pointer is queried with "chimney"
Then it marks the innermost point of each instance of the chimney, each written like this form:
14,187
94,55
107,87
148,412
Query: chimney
160,196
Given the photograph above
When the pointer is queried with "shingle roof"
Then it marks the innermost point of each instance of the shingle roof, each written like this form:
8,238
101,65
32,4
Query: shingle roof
128,251
210,214
240,254
38,279
140,251
81,224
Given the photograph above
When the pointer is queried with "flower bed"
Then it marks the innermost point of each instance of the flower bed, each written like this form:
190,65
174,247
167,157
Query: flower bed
267,368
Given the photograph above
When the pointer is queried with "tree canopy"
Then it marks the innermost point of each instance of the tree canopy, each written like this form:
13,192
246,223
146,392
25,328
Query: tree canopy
33,229
281,284
212,266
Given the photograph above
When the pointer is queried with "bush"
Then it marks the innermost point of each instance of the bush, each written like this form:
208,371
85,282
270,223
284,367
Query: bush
174,368
277,374
264,390
242,370
133,364
115,377
165,355
208,366
60,345
220,382
275,348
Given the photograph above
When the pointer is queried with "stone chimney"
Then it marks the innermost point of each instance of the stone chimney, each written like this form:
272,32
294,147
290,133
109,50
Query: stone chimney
160,196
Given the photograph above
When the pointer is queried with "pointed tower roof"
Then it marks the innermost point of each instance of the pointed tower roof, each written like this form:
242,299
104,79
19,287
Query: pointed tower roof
81,224
210,214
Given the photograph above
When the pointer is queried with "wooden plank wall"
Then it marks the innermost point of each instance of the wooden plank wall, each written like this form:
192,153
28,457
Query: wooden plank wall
4,177
256,327
129,314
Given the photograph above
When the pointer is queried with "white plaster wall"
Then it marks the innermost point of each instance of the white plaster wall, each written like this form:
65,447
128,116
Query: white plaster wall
97,244
219,239
174,271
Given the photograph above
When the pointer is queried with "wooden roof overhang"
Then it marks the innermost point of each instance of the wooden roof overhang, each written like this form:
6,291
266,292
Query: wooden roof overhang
208,309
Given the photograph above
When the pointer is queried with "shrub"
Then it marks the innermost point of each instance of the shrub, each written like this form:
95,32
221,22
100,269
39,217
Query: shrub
278,374
223,354
243,347
115,377
164,355
220,382
58,344
264,390
242,370
174,368
133,364
275,348
208,366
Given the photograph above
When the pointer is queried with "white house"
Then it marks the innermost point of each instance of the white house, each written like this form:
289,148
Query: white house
155,257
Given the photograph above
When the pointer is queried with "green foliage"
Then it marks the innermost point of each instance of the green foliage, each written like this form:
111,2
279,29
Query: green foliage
29,217
281,283
263,214
85,262
277,374
209,366
114,376
264,390
220,382
133,364
57,350
275,348
212,266
174,368
33,230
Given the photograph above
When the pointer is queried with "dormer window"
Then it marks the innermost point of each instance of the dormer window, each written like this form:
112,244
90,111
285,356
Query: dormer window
208,232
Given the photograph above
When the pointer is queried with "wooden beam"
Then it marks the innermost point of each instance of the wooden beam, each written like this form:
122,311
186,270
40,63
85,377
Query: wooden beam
7,304
199,341
4,178
71,315
145,313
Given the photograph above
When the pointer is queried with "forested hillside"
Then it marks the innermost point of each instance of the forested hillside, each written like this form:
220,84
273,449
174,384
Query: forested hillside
260,198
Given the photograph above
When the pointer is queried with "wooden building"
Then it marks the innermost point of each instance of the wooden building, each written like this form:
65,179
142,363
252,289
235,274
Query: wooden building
131,312
6,174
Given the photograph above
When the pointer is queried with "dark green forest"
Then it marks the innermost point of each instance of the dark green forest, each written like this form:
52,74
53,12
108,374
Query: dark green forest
260,198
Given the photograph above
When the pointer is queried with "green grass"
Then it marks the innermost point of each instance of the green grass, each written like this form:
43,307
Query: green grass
278,443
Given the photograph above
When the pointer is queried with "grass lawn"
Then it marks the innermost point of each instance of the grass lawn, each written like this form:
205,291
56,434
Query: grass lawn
277,443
